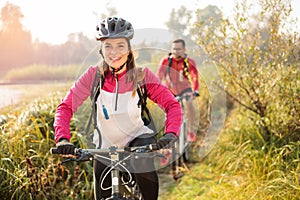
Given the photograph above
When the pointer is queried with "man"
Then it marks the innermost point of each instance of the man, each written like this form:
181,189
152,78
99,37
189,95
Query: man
181,76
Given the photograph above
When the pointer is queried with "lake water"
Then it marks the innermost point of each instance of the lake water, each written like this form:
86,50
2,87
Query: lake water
9,96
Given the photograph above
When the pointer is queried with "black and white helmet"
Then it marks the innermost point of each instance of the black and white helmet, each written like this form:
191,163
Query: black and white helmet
114,27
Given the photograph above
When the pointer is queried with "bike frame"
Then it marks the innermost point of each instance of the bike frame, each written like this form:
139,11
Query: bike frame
180,149
183,131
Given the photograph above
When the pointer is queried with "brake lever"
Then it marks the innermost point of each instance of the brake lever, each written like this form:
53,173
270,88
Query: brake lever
68,160
80,158
84,157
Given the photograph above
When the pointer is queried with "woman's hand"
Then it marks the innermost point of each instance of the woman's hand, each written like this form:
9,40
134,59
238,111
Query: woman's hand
65,147
167,141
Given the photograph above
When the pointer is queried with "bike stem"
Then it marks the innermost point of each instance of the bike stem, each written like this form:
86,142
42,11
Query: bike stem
115,175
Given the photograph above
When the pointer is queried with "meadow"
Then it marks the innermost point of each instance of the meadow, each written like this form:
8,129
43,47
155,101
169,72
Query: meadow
241,165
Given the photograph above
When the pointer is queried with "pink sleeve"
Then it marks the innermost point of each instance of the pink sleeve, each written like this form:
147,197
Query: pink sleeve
161,95
78,93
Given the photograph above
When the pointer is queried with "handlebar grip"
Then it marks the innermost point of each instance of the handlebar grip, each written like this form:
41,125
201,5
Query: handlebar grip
54,151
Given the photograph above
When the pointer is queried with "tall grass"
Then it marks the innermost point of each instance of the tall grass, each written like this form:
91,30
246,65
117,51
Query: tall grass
27,170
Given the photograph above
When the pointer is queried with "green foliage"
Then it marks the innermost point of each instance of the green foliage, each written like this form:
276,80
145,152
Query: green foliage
259,64
257,154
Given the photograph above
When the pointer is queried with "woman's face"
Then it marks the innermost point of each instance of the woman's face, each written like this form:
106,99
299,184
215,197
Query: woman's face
115,52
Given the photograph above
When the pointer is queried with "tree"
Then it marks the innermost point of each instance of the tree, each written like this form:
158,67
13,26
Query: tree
78,48
258,59
178,20
178,24
16,46
181,20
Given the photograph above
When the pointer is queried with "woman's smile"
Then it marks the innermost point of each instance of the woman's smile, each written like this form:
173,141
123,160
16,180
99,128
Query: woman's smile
115,51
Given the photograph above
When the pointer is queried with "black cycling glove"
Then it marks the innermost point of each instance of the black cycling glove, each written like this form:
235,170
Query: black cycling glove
65,147
167,141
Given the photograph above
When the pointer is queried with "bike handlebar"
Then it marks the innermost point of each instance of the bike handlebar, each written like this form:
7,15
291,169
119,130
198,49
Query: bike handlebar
112,149
86,154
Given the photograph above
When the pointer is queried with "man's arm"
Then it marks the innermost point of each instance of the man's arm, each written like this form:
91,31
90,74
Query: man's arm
162,69
194,74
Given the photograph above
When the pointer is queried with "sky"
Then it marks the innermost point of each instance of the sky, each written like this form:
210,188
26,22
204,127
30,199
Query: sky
52,21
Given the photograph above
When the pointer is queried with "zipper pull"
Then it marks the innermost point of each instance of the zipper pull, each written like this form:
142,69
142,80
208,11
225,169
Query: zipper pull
117,92
105,112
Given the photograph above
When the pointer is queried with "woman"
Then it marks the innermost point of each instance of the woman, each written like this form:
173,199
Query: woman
123,125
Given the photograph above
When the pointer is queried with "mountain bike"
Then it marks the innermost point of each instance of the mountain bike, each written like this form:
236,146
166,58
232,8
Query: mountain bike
123,184
180,151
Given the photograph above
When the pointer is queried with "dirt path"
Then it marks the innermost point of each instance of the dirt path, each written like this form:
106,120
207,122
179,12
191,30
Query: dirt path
165,180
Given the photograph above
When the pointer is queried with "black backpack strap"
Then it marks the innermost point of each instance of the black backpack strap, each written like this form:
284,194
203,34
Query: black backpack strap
145,113
95,88
95,91
142,92
169,63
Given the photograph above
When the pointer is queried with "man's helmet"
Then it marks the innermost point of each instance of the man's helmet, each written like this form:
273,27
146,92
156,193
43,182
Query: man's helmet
114,27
